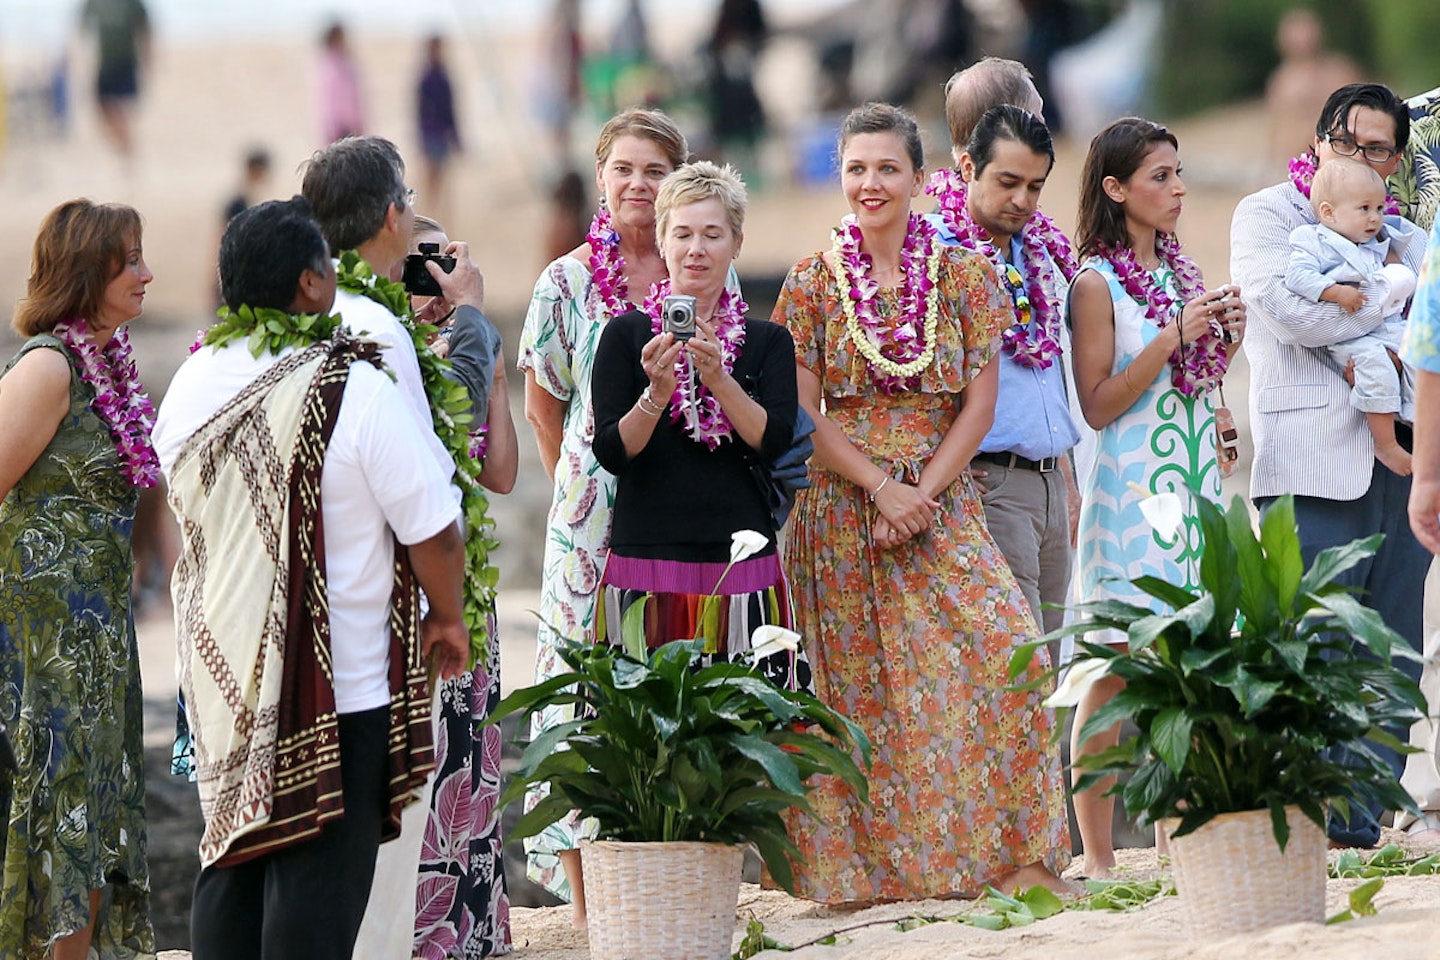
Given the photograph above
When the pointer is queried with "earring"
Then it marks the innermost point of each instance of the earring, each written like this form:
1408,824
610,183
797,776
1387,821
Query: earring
603,202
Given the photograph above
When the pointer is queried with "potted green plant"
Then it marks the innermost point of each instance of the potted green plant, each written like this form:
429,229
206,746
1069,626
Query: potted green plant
1254,697
680,766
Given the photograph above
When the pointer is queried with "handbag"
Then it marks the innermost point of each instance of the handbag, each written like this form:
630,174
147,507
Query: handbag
789,473
781,479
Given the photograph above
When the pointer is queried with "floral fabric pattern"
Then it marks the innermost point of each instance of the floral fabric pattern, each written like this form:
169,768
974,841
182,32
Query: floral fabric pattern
1165,442
1421,348
70,694
461,907
914,643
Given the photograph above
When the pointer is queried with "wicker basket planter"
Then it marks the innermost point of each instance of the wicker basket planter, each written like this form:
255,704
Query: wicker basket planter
1232,877
661,901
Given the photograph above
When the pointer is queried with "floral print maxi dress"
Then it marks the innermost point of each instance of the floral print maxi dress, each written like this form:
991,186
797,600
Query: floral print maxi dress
562,330
914,643
1165,442
71,695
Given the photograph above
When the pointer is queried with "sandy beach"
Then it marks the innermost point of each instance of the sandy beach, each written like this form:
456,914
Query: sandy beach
208,100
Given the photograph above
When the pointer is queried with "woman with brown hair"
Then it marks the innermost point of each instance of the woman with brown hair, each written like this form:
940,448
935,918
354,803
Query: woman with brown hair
74,449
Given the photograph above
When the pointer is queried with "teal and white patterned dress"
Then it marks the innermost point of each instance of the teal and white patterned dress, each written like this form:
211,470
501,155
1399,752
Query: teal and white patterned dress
70,694
1164,442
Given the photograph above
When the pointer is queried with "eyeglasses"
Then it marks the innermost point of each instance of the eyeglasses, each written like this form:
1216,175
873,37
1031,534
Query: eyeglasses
1345,147
410,195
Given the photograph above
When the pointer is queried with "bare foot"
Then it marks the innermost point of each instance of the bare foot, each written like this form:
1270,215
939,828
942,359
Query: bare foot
1394,456
1035,875
1096,867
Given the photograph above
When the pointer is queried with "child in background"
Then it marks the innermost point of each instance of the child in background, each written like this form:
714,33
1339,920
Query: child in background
1354,245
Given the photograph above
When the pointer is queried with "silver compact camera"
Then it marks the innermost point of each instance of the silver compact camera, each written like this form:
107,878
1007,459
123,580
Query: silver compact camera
678,313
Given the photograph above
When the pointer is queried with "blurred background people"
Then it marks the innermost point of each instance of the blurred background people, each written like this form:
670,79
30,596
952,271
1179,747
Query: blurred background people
435,117
737,117
74,450
122,38
1299,84
337,88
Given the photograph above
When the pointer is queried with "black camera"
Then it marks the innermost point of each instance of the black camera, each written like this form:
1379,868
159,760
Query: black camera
679,313
416,277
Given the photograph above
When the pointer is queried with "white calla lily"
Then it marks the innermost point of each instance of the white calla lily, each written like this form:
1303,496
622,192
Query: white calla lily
1163,511
769,639
746,543
1079,677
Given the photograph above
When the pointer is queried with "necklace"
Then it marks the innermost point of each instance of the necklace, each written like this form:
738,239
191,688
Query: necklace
1194,366
692,402
266,330
896,350
1302,174
450,413
1042,247
607,266
120,401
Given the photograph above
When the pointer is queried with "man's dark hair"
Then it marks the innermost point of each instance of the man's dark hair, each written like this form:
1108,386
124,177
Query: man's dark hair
1335,116
265,249
351,184
1007,122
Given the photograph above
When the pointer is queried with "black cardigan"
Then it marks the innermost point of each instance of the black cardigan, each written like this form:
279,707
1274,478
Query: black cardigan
677,499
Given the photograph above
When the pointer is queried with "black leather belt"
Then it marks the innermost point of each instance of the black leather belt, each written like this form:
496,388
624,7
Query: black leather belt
1014,461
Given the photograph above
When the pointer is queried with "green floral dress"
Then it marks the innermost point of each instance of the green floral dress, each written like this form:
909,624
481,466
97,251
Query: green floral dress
70,695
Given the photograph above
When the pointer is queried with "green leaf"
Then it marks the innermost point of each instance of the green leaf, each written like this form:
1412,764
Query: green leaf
1042,903
1333,561
779,767
1361,902
632,628
1282,552
1170,737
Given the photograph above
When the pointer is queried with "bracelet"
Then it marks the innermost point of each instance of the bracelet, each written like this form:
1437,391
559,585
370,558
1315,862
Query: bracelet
876,492
1125,375
648,406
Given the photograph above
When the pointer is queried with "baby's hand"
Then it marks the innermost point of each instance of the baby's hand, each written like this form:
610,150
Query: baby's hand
1349,298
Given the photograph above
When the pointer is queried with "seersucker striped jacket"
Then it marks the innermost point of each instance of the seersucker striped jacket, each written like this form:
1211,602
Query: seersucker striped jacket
1309,440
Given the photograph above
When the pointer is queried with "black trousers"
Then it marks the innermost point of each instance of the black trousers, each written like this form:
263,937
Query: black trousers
303,902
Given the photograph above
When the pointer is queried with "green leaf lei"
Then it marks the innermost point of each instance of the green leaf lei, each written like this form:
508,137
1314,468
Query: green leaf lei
450,410
268,330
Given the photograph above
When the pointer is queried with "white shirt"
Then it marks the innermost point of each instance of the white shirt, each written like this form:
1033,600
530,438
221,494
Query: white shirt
375,322
377,478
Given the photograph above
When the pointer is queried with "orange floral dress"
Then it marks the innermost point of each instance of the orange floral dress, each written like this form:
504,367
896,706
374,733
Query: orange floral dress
914,643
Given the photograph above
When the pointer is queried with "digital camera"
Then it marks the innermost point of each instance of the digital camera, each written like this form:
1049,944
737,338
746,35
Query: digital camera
678,312
416,277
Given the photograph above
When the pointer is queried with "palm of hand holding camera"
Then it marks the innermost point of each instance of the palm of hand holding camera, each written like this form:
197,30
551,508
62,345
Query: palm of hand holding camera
1219,311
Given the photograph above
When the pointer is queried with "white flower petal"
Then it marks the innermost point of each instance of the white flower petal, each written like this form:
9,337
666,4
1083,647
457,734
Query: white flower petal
1164,512
770,639
1079,678
745,543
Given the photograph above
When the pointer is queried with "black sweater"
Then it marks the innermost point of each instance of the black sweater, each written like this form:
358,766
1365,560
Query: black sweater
677,499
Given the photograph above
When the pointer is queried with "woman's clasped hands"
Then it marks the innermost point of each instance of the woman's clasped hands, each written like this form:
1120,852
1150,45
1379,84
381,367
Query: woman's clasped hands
904,511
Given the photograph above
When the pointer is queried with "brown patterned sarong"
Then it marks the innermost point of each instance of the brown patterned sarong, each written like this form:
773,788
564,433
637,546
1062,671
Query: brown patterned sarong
252,617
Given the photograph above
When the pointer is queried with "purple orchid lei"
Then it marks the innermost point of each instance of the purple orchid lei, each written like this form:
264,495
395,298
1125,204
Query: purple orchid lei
1196,365
120,401
1302,174
1043,247
896,351
704,420
607,267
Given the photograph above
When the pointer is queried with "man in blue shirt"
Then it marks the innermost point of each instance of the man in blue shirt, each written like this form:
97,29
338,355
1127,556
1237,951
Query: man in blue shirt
1023,466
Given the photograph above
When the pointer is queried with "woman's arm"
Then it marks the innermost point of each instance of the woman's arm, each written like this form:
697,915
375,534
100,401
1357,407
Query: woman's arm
765,422
1104,397
34,397
625,419
962,440
546,414
903,506
502,447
